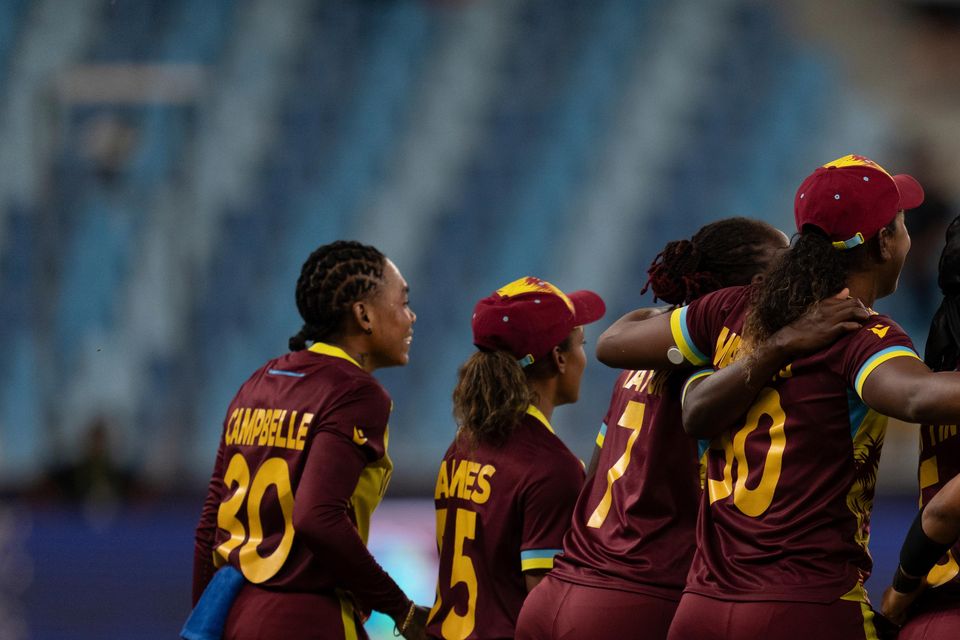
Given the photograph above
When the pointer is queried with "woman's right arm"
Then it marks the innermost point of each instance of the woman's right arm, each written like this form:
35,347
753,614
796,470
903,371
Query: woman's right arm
905,388
321,520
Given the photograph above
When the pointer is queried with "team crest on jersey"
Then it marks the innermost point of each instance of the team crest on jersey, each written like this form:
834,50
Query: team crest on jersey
358,437
880,330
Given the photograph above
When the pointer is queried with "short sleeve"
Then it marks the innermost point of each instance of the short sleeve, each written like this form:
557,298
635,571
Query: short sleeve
699,374
361,415
547,513
696,326
880,340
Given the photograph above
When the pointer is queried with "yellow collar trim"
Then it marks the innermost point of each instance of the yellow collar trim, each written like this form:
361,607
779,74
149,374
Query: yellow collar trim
329,350
536,413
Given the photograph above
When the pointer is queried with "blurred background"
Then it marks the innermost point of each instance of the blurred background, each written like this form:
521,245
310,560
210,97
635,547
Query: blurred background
167,165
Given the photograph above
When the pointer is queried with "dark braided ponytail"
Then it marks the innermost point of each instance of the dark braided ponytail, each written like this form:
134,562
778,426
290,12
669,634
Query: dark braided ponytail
334,277
724,253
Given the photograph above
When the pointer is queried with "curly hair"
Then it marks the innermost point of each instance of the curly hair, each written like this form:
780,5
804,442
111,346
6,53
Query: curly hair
811,270
724,253
334,277
492,394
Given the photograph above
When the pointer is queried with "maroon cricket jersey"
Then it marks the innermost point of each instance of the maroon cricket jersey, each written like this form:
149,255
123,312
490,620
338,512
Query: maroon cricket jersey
939,463
786,515
634,526
305,441
500,511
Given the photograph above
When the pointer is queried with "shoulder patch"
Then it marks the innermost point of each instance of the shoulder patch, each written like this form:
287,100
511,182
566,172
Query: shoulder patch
880,330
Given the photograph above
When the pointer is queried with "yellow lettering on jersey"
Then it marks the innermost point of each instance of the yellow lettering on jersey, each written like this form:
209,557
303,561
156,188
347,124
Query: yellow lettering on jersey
465,479
237,432
472,469
442,489
256,421
267,427
278,416
880,330
271,428
457,477
786,372
482,493
302,431
266,414
228,433
638,380
727,345
291,437
246,426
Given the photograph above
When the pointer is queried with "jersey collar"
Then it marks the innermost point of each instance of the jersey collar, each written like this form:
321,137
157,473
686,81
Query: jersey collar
329,350
536,413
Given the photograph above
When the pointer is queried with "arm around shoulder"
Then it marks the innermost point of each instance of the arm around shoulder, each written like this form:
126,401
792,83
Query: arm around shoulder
638,340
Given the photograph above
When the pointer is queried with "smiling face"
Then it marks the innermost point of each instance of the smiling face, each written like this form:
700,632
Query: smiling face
391,321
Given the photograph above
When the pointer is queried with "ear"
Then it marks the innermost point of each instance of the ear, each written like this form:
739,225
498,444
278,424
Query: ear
361,315
757,279
559,359
885,244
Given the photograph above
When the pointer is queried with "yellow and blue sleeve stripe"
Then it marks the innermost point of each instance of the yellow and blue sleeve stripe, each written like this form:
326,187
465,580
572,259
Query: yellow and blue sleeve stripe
697,375
681,337
533,559
876,360
602,434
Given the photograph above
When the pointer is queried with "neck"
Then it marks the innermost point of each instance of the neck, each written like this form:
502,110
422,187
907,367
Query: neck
863,287
545,392
357,348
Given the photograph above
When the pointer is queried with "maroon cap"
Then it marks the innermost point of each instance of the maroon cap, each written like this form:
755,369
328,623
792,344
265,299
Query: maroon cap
852,198
529,317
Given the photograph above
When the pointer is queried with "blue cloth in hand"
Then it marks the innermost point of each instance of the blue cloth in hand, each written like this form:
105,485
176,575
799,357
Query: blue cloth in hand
208,618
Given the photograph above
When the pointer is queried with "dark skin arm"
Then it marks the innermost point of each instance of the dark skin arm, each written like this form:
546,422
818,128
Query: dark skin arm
638,340
532,579
731,391
941,523
907,389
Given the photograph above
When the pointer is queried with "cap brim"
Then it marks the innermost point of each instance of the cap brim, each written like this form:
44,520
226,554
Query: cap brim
587,306
911,193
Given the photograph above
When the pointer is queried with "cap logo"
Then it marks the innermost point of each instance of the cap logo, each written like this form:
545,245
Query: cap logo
533,285
854,160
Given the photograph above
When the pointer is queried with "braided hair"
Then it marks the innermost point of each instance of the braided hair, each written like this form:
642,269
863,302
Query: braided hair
942,352
724,253
334,277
